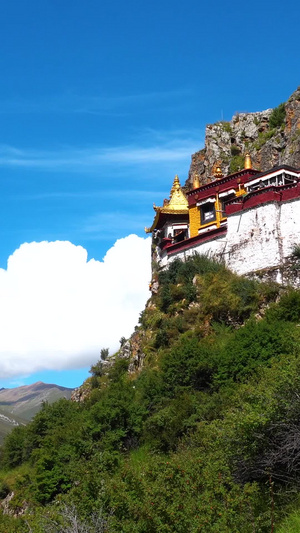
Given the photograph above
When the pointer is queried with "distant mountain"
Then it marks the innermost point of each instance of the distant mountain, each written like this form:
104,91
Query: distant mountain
8,422
19,405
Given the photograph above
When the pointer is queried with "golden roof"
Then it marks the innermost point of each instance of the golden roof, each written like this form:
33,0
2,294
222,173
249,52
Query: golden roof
177,205
178,202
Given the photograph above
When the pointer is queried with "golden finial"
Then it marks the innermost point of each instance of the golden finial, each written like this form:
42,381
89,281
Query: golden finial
217,170
248,162
175,186
177,204
178,200
196,181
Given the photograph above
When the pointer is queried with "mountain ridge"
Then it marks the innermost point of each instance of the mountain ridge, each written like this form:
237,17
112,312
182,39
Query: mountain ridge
18,405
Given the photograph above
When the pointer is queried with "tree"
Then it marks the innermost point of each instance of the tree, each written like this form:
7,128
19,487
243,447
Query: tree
104,353
122,341
97,369
277,116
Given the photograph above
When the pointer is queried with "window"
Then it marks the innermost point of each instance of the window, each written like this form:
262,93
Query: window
207,213
223,209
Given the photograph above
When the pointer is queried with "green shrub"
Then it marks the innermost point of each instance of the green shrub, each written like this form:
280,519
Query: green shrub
176,283
97,369
150,388
288,307
277,117
227,298
14,447
235,150
252,347
188,365
291,524
237,163
263,137
226,126
118,369
184,271
4,489
163,429
296,251
248,294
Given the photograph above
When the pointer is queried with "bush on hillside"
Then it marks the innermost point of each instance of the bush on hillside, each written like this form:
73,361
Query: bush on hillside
277,117
252,347
288,307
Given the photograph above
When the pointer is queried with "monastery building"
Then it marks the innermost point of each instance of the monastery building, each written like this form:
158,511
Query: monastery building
249,219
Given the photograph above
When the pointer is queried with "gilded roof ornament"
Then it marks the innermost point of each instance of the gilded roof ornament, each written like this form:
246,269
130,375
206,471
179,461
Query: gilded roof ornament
178,201
196,181
175,186
217,170
248,162
176,205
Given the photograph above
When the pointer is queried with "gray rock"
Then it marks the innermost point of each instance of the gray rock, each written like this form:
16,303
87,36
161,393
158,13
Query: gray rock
251,132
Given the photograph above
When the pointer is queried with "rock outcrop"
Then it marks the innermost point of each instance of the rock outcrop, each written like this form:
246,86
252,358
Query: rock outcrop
80,394
131,350
272,137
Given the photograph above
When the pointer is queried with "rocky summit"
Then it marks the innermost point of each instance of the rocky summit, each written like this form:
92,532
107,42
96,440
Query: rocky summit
272,137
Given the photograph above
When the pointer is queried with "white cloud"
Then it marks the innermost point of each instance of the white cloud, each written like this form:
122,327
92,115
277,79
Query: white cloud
103,105
57,309
152,147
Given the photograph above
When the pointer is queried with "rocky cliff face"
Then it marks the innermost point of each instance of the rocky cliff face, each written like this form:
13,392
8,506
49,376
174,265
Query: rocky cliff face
131,350
272,137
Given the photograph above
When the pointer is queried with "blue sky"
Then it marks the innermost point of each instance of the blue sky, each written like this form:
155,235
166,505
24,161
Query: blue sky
102,103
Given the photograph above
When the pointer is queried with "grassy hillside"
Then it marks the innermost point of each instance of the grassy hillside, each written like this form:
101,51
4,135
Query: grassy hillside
8,422
204,438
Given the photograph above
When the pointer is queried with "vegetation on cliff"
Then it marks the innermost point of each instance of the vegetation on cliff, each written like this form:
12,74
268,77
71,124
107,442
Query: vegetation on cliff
271,137
204,438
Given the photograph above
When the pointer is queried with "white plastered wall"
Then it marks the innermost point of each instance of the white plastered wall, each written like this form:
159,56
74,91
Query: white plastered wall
258,238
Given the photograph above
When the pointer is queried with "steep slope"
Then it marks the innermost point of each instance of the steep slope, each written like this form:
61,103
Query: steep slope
202,435
272,137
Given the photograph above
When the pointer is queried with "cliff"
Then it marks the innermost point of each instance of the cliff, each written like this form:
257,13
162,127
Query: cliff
272,137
